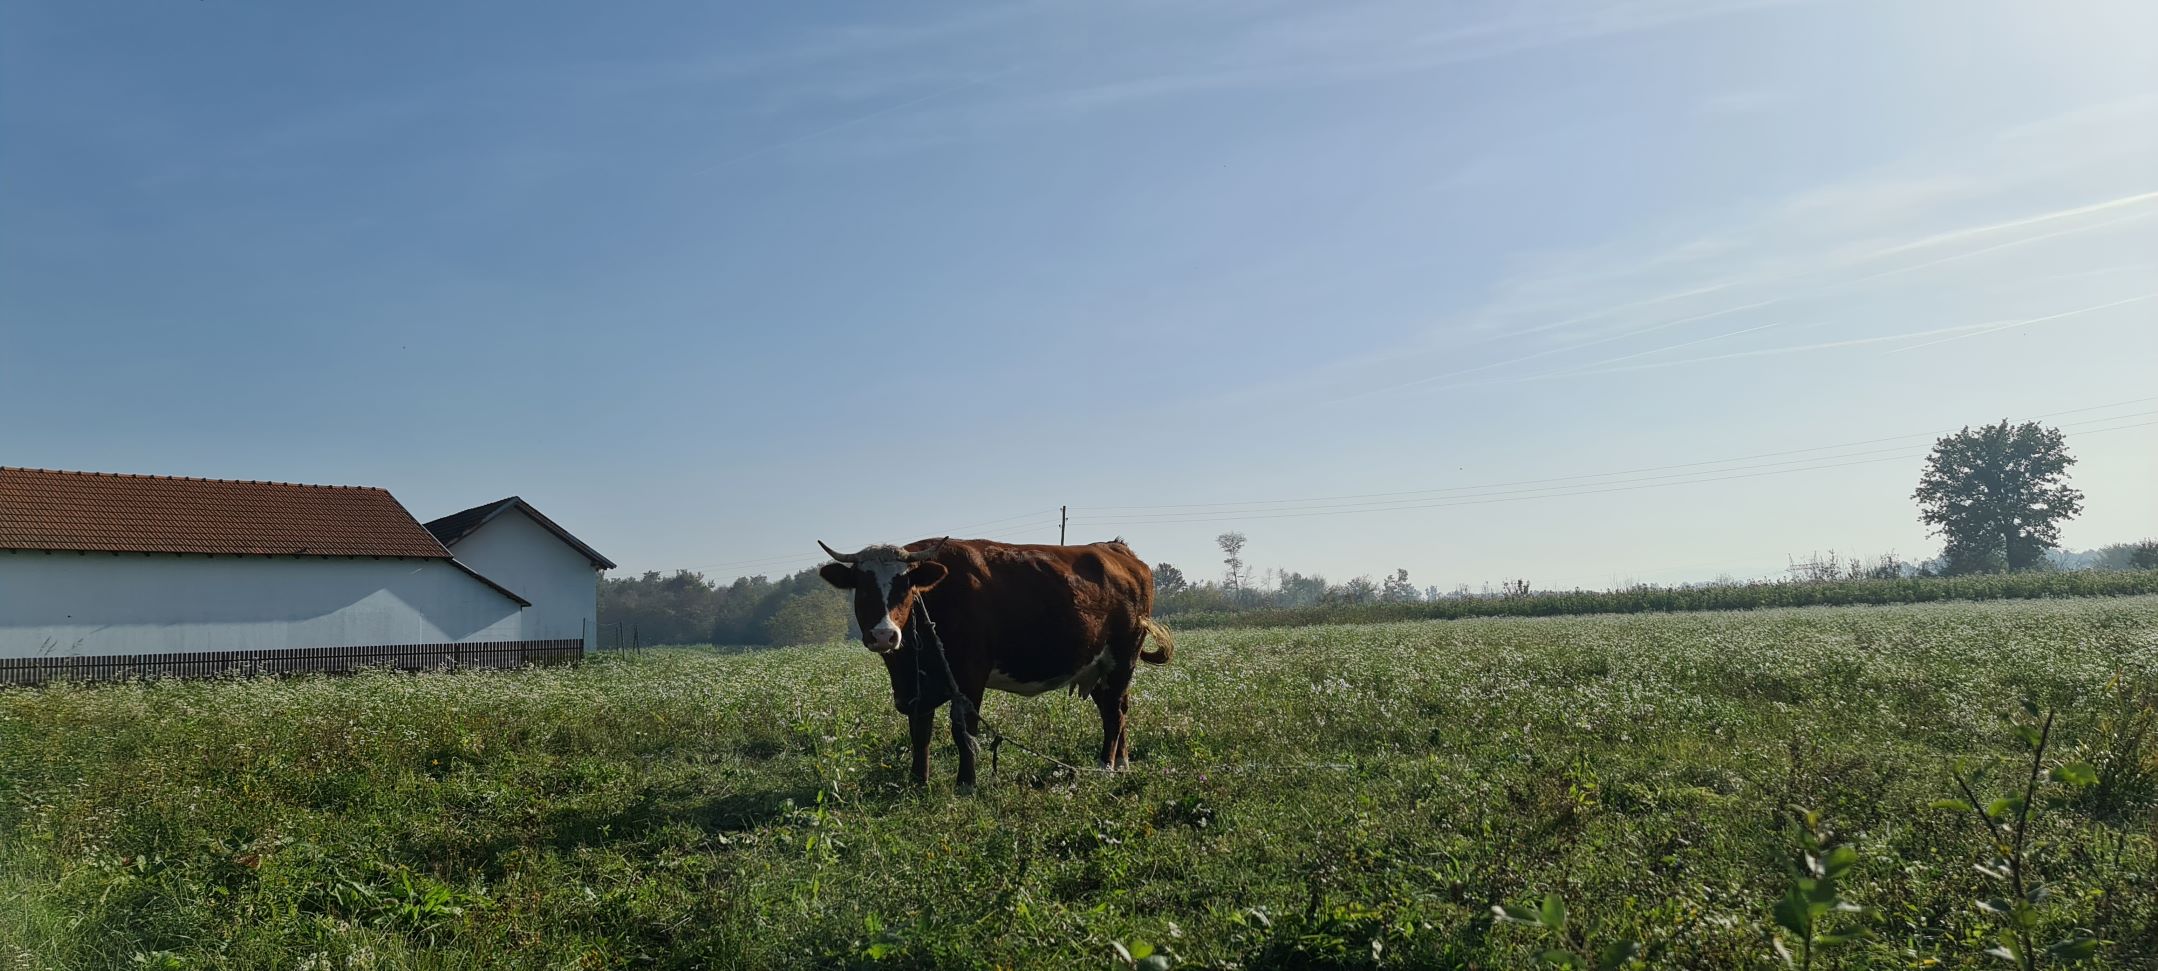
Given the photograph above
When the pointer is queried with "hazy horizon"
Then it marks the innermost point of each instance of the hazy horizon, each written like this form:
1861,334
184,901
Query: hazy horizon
1582,293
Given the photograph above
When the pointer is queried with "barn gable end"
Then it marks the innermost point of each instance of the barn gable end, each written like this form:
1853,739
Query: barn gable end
516,544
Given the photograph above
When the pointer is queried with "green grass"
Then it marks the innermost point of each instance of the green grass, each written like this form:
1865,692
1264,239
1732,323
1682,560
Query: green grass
1655,599
1300,797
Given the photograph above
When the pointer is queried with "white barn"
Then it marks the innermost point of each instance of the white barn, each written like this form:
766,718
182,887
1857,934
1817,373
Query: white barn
105,575
510,543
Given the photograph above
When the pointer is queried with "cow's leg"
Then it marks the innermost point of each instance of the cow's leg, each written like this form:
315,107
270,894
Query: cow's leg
921,727
1113,698
1112,724
1123,735
966,725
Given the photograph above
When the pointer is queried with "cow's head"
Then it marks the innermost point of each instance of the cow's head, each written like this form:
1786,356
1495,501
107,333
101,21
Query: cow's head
884,580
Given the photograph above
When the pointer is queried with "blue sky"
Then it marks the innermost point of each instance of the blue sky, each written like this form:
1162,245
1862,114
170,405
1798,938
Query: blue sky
708,283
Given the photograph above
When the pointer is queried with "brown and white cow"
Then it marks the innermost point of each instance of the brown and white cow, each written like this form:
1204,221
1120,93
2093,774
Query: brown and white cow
1014,617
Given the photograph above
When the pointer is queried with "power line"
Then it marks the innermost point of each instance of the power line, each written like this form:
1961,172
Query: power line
1488,500
961,529
804,557
1409,503
1480,493
1590,475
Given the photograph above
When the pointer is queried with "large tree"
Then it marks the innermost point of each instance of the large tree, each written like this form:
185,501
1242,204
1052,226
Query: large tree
1232,548
1998,495
1169,580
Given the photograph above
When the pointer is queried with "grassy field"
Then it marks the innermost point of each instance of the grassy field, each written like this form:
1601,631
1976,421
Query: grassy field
1306,797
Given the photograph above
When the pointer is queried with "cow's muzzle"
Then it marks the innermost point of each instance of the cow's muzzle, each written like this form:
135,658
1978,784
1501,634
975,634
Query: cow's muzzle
883,640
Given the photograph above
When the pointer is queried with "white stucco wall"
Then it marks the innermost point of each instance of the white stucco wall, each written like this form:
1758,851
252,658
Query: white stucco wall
525,556
67,603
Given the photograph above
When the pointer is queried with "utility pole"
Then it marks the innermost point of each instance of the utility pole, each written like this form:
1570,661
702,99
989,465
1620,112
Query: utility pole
1064,518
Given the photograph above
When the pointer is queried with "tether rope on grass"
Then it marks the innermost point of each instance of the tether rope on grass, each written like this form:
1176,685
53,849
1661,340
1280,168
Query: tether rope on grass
925,630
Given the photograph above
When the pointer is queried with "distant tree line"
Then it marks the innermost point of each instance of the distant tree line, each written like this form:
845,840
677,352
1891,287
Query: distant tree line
2118,556
1855,579
686,608
1242,588
1997,496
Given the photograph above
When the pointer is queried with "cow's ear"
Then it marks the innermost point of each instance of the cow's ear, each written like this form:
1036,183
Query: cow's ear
837,574
926,575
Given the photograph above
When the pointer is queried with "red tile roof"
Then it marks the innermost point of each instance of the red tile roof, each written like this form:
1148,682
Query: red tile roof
43,509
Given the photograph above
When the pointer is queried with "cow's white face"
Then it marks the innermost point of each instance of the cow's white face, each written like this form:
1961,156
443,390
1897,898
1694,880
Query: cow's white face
884,586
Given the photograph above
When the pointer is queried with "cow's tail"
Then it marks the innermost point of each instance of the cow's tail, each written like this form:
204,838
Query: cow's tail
1164,643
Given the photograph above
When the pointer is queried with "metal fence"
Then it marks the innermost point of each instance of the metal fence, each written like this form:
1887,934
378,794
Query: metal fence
617,636
326,660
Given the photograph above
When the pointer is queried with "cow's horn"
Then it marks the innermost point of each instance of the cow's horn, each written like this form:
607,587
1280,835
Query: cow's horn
920,555
837,556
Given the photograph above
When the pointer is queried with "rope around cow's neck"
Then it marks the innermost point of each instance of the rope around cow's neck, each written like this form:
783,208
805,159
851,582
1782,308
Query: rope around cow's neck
925,631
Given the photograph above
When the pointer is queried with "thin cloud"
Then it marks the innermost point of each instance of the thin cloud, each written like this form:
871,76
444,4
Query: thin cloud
1822,267
1323,44
1829,285
1661,325
2012,325
2009,244
1667,347
1940,334
1741,102
1659,299
848,123
818,52
1966,330
1586,368
1957,235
